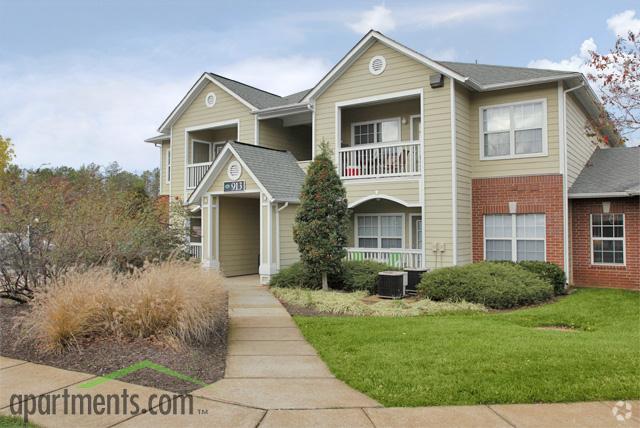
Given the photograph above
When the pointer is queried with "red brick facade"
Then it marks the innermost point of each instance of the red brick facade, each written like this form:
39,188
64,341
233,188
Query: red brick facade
586,274
533,194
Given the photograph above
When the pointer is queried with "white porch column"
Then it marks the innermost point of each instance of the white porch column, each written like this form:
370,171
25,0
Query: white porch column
210,225
268,239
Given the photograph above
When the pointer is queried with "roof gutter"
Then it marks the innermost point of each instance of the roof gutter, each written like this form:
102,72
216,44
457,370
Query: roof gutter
285,110
602,195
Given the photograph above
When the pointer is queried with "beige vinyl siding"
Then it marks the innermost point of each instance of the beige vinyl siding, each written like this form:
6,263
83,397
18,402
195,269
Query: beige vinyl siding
296,139
405,190
383,207
239,236
226,108
549,164
464,164
393,110
401,74
218,183
164,185
288,248
580,146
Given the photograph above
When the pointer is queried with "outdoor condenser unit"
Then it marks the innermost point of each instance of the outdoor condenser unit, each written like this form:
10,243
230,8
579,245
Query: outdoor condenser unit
391,284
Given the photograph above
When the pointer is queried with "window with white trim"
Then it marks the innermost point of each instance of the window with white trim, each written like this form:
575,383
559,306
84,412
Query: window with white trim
514,237
377,131
168,166
607,239
514,130
379,231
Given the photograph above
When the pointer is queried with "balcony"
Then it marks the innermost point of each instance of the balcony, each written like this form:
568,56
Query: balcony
396,257
195,173
381,160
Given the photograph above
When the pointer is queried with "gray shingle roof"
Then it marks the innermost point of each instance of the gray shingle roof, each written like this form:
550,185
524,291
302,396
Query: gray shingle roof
484,74
257,97
276,170
610,170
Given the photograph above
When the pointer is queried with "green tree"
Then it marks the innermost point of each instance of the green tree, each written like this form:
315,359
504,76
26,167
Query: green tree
6,153
322,220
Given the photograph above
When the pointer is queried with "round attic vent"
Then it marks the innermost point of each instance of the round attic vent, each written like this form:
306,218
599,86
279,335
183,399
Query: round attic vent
234,170
210,99
377,65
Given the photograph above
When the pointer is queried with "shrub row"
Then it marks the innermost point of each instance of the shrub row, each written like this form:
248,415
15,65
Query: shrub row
355,276
496,285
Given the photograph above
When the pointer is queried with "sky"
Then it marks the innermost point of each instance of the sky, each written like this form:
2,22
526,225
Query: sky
87,81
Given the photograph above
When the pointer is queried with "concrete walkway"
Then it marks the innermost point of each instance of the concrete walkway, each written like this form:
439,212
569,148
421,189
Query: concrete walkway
274,378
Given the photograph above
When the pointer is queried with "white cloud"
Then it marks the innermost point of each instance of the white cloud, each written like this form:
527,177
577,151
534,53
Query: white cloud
624,22
280,75
448,54
384,19
379,18
577,62
456,13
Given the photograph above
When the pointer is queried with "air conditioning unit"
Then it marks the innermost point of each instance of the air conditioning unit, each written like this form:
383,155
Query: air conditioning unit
414,275
392,284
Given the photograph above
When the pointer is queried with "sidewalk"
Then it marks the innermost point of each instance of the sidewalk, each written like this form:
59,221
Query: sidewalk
274,378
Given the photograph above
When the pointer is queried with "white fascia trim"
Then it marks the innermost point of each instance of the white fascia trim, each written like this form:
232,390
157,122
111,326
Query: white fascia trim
454,175
380,196
273,112
360,48
214,125
158,139
527,82
313,133
601,195
191,95
381,97
214,170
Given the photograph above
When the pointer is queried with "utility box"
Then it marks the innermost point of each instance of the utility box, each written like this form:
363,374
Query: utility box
414,275
391,284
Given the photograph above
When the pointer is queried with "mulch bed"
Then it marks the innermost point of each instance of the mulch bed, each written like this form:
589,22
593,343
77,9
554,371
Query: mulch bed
205,363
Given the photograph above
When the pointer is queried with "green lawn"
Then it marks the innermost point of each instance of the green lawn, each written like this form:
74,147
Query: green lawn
14,422
490,358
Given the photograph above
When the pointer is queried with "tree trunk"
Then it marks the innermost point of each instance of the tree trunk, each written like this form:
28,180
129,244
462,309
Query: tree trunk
325,283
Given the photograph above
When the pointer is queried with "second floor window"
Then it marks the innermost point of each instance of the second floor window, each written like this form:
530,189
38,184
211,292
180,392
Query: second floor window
378,131
514,130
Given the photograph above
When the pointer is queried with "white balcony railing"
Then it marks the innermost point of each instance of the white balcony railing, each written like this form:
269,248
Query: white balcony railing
381,160
195,250
397,257
195,173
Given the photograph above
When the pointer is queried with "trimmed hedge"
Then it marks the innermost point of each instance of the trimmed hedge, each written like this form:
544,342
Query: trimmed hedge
496,285
549,272
355,276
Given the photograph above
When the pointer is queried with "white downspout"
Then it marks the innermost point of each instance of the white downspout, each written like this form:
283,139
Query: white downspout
565,181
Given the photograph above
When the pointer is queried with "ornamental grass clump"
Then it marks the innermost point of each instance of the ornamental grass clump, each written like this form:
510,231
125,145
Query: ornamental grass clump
175,302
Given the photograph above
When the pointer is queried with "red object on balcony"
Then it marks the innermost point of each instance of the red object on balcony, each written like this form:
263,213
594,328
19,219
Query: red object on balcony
352,171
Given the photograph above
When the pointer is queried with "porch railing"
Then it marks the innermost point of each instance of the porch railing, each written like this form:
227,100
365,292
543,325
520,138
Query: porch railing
381,160
195,250
195,173
397,257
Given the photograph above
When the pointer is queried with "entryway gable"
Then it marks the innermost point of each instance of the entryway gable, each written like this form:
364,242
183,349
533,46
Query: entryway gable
232,177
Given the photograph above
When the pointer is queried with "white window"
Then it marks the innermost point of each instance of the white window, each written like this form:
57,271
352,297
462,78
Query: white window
514,130
607,239
378,131
380,231
514,237
168,170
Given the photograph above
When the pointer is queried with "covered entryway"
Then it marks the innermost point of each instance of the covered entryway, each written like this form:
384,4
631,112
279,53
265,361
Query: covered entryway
247,199
239,234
